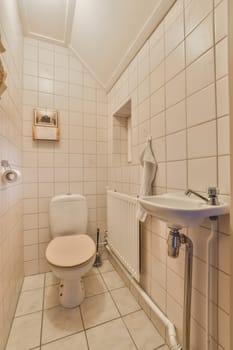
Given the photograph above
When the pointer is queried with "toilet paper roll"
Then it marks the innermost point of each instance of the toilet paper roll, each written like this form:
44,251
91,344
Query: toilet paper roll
10,176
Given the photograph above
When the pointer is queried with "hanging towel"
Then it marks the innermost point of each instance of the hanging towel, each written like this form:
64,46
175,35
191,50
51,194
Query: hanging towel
149,168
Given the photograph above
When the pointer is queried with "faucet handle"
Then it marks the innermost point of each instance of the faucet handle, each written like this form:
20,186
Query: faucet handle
213,191
213,195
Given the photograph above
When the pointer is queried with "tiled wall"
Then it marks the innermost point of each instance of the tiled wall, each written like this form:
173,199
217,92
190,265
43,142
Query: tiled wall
54,78
11,232
178,86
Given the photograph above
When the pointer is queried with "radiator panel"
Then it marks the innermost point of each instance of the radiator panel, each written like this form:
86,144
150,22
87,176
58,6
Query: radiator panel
123,230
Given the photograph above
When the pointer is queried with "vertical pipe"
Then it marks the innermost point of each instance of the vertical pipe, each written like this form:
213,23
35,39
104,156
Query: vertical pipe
187,291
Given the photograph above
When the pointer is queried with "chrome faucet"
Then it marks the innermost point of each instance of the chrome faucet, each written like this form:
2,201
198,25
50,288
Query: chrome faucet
212,195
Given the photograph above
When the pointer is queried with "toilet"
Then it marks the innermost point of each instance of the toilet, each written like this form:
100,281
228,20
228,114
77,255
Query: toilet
71,252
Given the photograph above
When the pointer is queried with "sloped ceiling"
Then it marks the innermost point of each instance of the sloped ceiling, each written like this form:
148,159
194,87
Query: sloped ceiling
104,34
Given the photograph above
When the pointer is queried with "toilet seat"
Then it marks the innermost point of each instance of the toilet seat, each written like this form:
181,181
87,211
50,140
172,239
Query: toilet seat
70,251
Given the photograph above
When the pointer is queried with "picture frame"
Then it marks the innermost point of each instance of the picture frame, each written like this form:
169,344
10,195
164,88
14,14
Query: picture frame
45,125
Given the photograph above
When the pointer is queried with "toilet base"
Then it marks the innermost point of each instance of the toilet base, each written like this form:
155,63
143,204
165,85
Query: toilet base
71,293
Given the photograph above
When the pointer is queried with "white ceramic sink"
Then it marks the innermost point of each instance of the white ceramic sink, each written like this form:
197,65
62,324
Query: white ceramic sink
177,209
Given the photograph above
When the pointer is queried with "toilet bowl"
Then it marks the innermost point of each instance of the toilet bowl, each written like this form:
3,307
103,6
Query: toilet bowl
71,253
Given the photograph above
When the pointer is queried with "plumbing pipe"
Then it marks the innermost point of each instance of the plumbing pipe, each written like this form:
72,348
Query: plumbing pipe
209,241
168,324
187,290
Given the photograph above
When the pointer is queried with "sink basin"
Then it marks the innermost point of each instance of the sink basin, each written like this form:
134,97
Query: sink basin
177,209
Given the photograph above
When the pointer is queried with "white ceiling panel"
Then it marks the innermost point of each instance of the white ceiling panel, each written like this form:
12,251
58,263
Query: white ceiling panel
104,34
48,19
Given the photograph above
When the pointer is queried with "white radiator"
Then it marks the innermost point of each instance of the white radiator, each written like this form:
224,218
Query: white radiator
123,230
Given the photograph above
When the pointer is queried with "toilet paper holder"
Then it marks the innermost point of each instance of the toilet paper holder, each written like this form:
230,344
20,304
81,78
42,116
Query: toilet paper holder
8,174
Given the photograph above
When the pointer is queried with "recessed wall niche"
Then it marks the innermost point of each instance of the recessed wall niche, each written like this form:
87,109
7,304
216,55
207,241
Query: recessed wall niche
122,134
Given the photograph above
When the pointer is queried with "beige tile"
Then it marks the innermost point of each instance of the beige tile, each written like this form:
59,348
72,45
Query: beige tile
111,335
176,175
174,34
51,296
30,301
106,266
175,314
157,78
158,271
144,334
176,118
51,279
112,280
195,12
33,282
202,173
200,73
94,285
200,40
222,97
25,332
176,146
158,294
222,58
224,174
223,136
125,301
157,54
98,309
73,342
197,140
221,21
175,89
158,125
175,62
157,102
59,322
201,106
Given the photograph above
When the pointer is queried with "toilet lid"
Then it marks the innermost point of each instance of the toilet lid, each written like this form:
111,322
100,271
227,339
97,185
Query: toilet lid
70,251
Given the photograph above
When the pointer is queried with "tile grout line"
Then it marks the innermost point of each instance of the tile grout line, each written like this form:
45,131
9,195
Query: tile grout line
42,316
84,329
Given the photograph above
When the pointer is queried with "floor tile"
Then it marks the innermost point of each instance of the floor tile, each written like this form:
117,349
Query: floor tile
93,271
51,279
106,266
73,342
144,334
25,332
113,280
30,301
33,282
98,309
94,285
59,322
51,296
111,335
125,301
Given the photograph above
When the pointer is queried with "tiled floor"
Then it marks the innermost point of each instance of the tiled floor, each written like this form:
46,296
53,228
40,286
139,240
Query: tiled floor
108,319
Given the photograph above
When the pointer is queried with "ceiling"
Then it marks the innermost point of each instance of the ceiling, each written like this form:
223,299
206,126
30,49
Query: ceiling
104,34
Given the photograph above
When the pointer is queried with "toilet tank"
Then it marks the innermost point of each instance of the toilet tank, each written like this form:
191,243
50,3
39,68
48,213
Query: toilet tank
68,215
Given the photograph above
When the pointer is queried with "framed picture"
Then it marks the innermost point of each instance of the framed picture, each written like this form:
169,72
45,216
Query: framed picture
45,125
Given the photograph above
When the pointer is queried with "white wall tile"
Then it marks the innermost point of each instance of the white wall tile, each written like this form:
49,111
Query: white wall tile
202,140
176,146
200,40
201,106
202,173
200,73
221,21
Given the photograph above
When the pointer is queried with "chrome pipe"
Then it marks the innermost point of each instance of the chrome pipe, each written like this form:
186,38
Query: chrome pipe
187,290
175,239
